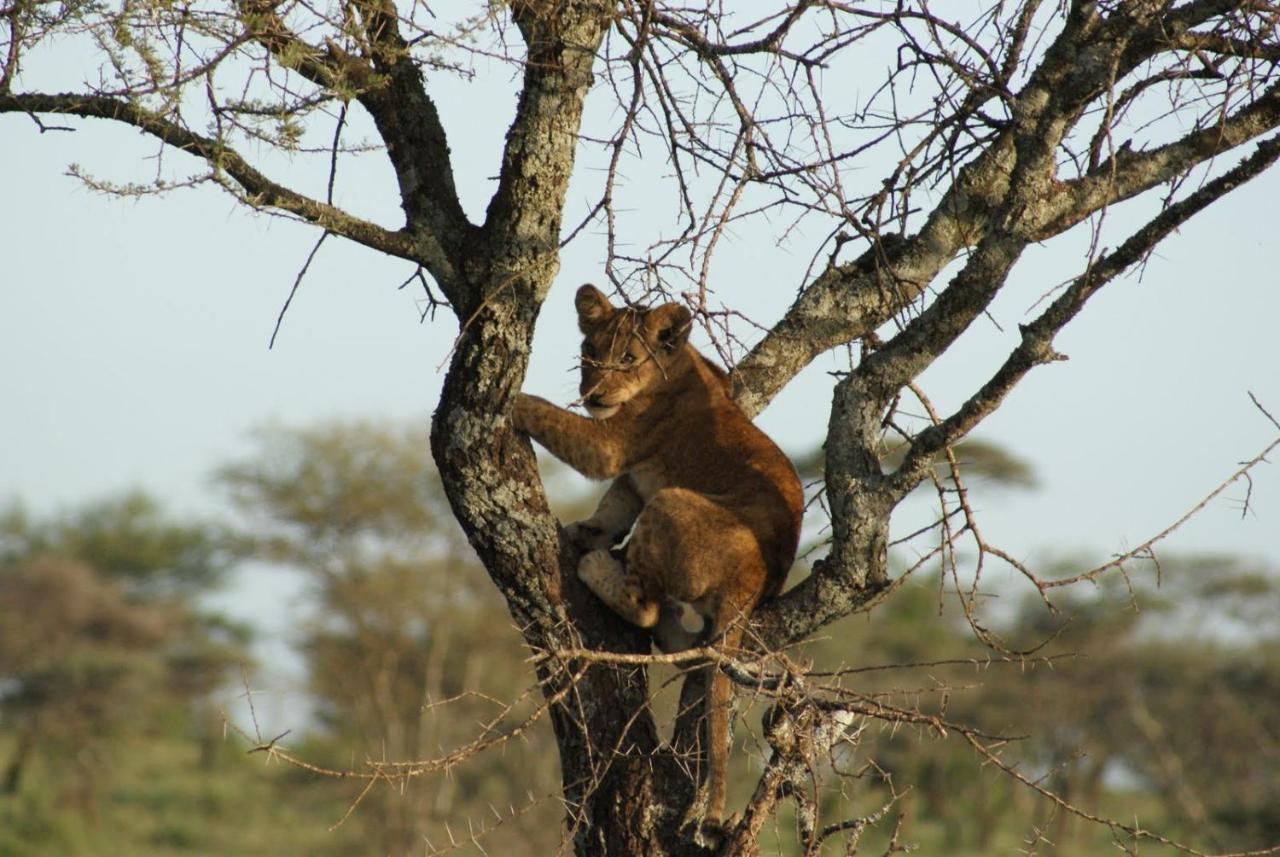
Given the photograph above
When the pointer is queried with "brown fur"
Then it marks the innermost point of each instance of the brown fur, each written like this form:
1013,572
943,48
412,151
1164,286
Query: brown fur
716,506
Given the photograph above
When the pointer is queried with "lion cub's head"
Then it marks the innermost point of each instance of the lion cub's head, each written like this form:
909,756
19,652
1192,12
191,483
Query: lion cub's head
625,351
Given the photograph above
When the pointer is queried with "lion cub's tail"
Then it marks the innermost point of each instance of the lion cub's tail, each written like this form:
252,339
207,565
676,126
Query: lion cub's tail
726,633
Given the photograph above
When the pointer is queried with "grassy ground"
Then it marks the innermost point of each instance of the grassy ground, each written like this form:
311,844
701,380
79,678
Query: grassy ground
168,798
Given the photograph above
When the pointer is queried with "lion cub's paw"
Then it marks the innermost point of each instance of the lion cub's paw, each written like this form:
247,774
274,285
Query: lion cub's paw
524,413
605,577
638,610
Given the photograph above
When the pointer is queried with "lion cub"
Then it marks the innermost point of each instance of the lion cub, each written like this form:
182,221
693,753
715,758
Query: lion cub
716,506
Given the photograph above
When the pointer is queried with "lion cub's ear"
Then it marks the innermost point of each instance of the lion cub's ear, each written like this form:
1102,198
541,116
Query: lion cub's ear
593,307
669,326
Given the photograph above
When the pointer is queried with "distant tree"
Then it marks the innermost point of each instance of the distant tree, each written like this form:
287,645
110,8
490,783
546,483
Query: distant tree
1171,689
101,636
1137,698
128,538
927,173
407,647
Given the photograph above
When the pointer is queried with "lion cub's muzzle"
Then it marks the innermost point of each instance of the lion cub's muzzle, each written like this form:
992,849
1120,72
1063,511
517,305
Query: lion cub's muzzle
599,407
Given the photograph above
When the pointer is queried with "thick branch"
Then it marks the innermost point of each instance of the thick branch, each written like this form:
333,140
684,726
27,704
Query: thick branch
928,335
1036,347
417,146
257,188
847,581
1129,173
847,301
488,470
523,218
861,497
388,85
1226,46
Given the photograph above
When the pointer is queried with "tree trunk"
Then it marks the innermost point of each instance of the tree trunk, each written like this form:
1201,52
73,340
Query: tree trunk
625,791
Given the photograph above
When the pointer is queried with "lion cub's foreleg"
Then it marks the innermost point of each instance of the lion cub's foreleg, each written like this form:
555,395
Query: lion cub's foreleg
589,446
612,519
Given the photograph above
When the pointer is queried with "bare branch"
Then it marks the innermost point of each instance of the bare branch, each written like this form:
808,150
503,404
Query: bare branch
1037,338
229,168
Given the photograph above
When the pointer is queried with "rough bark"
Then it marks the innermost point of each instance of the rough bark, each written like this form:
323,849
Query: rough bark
620,783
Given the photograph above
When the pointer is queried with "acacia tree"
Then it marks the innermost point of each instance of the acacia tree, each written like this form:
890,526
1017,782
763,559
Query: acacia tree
103,639
1005,128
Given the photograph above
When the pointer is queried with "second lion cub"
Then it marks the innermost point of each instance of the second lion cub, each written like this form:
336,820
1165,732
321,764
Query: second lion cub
716,506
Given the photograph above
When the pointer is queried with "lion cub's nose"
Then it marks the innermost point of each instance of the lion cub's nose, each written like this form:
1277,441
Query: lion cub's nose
595,401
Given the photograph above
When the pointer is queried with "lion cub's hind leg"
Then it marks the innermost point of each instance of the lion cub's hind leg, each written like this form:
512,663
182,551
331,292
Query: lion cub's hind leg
679,627
690,550
622,592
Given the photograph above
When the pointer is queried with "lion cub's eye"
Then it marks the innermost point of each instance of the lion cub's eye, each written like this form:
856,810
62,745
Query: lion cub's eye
628,358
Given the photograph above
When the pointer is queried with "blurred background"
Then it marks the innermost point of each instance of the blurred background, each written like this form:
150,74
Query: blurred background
142,713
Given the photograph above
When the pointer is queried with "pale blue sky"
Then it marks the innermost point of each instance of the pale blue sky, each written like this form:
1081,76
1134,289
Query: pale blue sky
133,336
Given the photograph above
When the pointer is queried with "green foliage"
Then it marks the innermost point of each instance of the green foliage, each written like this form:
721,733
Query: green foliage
314,488
171,795
100,641
128,538
1148,697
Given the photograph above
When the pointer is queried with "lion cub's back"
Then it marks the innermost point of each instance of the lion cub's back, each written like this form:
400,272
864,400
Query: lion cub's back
724,455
